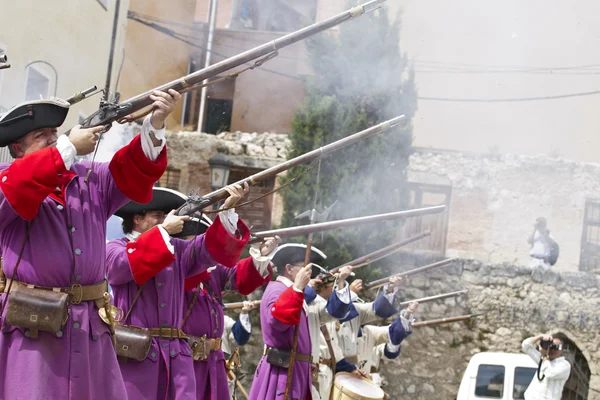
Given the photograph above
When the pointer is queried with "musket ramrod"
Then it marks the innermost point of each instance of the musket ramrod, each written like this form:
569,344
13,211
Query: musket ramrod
445,320
385,281
110,112
196,203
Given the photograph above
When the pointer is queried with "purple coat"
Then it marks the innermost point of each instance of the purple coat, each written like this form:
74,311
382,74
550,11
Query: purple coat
269,381
168,371
206,318
65,242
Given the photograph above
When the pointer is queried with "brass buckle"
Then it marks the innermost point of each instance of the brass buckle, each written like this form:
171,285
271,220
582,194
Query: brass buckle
201,349
79,289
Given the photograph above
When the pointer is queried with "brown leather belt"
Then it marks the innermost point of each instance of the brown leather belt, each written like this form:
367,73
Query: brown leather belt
77,293
307,358
168,333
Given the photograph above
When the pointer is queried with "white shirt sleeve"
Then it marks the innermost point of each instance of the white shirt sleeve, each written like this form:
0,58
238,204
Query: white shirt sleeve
229,220
261,263
166,238
390,296
148,147
344,293
245,321
530,350
67,150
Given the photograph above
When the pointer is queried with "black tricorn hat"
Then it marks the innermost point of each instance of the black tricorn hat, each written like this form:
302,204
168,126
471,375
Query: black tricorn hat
293,253
31,116
162,199
195,226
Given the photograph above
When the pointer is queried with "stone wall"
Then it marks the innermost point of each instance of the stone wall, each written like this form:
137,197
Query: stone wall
496,199
518,303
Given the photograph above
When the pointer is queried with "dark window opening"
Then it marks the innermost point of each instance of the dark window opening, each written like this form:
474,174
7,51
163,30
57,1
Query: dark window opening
490,381
170,179
218,116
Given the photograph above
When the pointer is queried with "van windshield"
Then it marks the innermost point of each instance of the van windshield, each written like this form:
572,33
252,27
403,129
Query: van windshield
490,381
523,377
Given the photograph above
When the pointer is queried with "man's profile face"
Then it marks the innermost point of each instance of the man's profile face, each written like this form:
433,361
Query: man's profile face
143,223
36,140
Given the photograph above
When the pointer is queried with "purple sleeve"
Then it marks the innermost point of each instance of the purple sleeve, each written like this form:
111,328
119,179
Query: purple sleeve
192,255
117,263
101,176
267,302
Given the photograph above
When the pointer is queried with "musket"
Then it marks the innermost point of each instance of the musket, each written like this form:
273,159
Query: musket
110,112
381,253
238,305
385,281
345,223
445,320
196,203
436,297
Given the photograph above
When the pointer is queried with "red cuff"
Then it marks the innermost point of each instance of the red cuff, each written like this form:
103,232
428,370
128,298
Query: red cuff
134,173
193,281
148,255
288,308
29,180
248,278
224,248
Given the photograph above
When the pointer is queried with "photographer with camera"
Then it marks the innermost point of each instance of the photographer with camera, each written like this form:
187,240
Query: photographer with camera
553,369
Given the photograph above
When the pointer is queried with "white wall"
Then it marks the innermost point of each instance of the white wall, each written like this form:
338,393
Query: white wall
73,36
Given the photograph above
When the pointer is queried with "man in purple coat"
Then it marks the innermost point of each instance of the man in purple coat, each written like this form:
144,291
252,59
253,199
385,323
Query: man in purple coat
147,269
204,312
282,308
55,217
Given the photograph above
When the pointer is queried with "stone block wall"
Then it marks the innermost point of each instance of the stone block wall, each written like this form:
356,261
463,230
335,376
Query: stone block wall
496,199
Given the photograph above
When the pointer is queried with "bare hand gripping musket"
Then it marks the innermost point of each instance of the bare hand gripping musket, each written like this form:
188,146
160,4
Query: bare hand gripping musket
196,203
385,281
110,112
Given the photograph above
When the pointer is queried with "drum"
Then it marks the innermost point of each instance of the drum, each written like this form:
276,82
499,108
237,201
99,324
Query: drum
347,386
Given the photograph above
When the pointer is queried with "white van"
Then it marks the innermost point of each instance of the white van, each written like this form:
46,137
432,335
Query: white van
502,376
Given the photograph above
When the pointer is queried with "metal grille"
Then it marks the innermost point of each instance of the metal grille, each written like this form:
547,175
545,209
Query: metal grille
170,179
590,240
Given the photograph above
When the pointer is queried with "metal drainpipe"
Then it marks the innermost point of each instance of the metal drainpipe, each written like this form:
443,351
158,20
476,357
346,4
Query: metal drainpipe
211,34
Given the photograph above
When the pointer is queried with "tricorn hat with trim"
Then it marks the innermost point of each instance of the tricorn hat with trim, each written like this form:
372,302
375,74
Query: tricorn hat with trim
293,253
31,116
162,199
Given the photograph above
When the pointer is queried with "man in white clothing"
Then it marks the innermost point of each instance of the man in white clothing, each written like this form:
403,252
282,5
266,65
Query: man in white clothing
553,370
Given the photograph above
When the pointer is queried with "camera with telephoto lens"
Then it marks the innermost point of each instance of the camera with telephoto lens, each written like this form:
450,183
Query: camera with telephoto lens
549,345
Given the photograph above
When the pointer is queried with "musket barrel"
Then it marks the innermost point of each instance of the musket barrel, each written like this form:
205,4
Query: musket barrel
143,100
380,282
346,223
433,298
219,194
381,253
444,320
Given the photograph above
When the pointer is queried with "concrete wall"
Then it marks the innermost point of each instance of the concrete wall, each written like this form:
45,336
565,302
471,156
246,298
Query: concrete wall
72,35
496,199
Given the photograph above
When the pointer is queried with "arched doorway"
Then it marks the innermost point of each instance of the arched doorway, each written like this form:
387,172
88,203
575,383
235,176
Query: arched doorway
577,387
